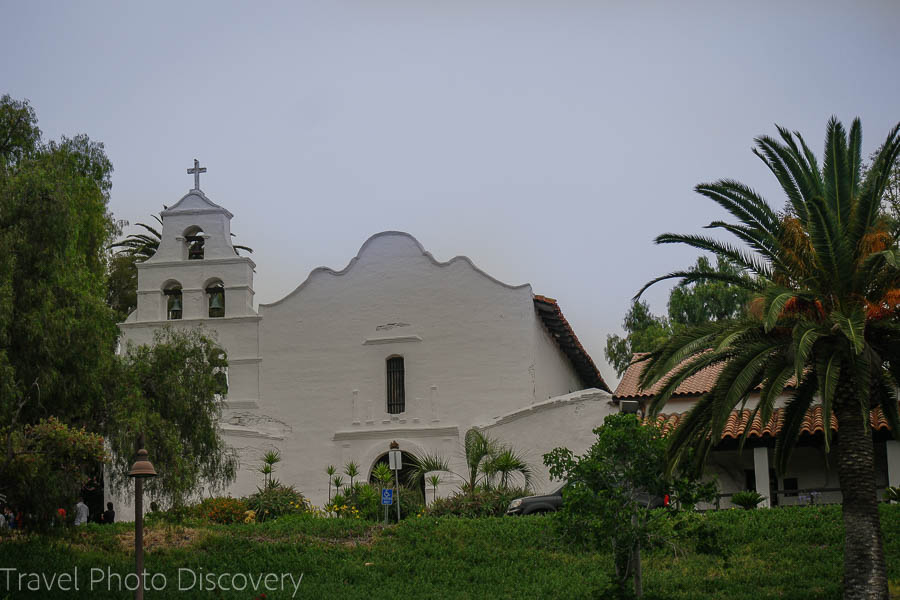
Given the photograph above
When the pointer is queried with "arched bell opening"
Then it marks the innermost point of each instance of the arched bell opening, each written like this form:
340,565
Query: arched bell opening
194,239
215,299
174,301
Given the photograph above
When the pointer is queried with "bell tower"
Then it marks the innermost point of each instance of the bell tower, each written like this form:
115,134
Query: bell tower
196,273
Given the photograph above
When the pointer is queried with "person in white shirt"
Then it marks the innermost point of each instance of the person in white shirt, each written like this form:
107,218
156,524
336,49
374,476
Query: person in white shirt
81,512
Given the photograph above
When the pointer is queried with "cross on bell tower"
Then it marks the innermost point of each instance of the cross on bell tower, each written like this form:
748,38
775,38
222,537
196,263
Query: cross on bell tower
196,173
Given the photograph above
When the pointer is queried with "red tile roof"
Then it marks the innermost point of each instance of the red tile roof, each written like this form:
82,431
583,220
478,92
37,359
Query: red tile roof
559,328
740,419
695,385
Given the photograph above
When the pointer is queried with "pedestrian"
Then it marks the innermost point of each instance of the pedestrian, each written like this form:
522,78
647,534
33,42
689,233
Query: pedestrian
3,518
110,515
81,512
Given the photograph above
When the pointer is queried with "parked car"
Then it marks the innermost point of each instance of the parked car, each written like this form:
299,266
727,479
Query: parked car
534,505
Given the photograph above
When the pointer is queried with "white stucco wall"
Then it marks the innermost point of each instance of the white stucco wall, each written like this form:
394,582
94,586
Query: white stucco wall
307,375
566,421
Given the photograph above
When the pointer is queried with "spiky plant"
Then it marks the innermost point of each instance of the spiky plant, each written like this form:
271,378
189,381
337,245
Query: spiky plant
435,480
338,484
422,465
825,320
330,470
479,448
509,463
351,470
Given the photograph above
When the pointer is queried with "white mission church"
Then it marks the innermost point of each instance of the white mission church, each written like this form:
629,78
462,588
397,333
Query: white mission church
394,346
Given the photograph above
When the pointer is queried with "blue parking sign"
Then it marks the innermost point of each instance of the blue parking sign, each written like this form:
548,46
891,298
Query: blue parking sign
387,496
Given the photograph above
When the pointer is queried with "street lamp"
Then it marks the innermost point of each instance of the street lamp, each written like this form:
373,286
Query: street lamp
140,470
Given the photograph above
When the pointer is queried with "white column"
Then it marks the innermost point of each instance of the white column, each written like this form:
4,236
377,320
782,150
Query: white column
893,462
354,408
761,470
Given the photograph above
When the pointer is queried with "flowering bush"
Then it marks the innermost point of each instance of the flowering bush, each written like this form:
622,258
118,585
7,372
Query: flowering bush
223,510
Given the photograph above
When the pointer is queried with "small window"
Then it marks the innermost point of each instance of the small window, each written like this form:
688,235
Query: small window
215,294
396,392
173,302
194,239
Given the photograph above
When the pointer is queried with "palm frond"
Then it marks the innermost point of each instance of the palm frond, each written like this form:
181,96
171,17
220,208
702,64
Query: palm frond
794,415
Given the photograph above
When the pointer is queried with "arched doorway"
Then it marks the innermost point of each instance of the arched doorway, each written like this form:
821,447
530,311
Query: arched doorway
406,473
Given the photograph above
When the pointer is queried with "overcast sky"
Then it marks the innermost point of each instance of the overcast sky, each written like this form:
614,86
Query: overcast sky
547,141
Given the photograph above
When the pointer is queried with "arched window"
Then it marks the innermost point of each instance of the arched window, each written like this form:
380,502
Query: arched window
396,386
173,301
215,294
194,239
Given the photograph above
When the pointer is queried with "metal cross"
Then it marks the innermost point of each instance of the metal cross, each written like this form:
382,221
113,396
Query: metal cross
196,173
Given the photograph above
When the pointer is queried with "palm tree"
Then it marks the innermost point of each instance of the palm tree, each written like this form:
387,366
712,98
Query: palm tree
330,470
435,480
351,470
338,484
479,450
506,464
825,319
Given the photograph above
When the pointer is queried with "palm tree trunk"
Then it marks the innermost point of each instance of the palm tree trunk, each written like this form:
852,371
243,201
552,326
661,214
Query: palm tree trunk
865,574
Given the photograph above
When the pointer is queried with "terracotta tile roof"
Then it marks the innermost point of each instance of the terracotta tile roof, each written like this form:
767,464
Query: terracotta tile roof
559,328
695,385
739,419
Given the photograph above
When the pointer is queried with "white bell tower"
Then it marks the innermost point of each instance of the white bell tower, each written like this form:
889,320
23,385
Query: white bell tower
195,274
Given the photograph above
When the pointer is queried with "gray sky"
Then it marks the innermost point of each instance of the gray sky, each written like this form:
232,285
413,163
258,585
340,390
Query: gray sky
549,142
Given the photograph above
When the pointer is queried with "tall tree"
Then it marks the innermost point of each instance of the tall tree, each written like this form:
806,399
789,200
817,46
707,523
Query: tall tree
57,336
171,393
826,280
690,303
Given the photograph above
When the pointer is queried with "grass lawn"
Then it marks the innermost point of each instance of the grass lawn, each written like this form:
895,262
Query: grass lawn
777,553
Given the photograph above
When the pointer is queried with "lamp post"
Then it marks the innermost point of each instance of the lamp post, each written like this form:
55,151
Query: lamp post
140,470
395,462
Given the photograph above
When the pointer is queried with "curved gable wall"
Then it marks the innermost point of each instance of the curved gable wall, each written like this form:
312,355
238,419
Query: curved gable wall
477,335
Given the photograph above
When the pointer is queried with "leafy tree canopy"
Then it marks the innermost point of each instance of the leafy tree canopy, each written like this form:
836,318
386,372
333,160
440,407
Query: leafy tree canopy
613,489
171,393
690,303
57,336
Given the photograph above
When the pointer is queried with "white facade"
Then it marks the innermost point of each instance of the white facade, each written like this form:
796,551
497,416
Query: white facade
307,374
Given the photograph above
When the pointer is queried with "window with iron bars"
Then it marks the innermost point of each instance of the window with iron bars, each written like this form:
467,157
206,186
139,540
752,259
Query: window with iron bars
396,387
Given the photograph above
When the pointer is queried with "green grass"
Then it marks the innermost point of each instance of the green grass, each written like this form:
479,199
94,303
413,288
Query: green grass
779,553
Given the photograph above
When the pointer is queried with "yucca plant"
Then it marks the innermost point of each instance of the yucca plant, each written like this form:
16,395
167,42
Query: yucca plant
825,274
435,480
330,470
351,470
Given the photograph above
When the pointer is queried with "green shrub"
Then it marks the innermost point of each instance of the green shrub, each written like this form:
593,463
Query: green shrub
224,510
483,503
363,500
277,500
747,499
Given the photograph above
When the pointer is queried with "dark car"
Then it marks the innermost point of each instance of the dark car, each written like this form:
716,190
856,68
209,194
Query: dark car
535,505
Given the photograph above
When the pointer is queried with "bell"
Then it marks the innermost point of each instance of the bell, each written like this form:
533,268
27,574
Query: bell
175,304
142,467
217,301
